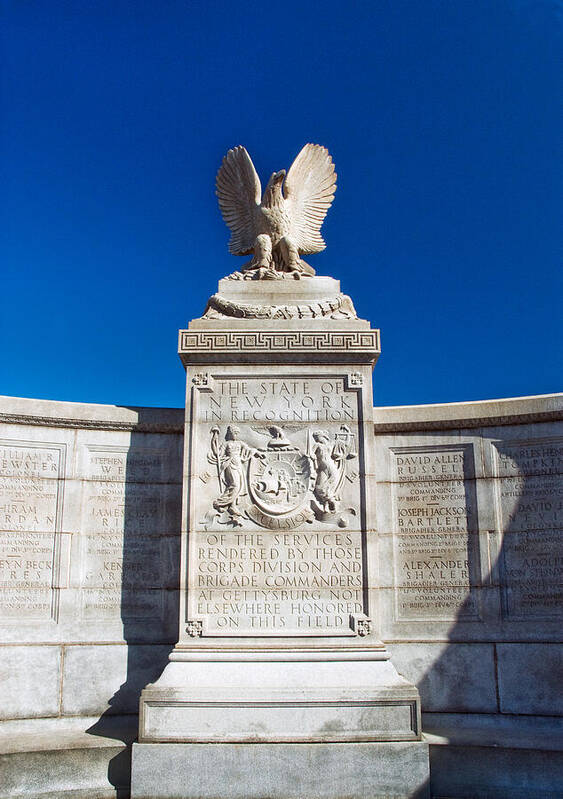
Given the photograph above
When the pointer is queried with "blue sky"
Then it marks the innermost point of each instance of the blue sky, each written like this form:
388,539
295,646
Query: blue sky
444,122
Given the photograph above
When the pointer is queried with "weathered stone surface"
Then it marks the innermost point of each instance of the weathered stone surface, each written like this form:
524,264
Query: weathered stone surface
270,697
473,554
34,554
530,678
528,480
60,759
317,298
69,598
277,507
115,683
76,773
542,408
450,677
275,595
30,679
89,522
483,772
276,546
495,730
436,549
281,771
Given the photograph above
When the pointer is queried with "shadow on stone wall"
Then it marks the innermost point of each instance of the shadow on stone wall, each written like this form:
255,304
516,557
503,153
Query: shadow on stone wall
502,667
149,582
516,590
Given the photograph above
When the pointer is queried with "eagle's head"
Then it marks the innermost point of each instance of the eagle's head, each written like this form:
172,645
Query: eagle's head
273,192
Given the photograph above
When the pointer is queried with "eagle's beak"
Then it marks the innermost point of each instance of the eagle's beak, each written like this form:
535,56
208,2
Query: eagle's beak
279,176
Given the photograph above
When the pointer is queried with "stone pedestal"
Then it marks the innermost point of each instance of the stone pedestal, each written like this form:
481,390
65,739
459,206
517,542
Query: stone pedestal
278,662
281,771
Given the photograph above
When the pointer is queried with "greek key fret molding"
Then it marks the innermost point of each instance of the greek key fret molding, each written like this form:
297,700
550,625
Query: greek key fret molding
269,341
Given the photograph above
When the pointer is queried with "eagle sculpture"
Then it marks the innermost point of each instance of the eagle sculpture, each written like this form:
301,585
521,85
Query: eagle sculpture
283,223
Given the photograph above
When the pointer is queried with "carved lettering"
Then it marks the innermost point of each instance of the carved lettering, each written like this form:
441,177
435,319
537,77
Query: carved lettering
277,547
277,583
124,510
435,537
530,502
29,519
277,400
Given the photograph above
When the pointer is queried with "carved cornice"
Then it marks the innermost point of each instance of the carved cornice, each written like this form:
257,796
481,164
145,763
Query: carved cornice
384,428
90,424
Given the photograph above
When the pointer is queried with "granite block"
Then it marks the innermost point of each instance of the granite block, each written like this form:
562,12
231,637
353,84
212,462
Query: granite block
76,773
450,677
530,678
481,772
30,679
116,675
280,771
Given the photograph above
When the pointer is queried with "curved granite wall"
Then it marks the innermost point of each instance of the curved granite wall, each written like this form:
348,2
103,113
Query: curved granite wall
469,508
90,500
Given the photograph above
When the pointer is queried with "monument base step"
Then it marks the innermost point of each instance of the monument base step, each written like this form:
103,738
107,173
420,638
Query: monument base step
279,702
489,756
472,756
280,771
76,757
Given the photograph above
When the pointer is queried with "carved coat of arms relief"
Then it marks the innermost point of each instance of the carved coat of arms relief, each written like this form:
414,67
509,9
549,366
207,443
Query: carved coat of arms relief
283,484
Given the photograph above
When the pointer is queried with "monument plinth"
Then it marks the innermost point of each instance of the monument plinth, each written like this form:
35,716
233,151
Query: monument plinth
278,657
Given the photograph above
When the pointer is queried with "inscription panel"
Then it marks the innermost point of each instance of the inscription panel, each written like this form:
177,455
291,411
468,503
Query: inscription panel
276,547
124,518
122,585
30,514
435,535
297,583
276,453
271,399
530,512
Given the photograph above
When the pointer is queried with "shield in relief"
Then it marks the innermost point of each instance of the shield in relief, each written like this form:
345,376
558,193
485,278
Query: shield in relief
280,482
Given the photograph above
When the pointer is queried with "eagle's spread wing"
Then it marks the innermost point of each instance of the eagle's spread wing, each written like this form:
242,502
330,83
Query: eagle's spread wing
309,191
239,193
